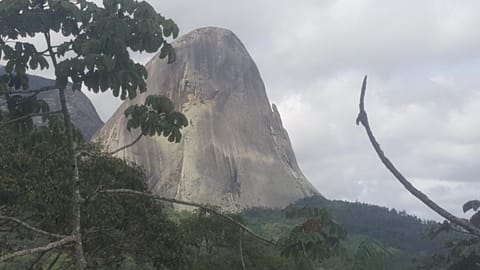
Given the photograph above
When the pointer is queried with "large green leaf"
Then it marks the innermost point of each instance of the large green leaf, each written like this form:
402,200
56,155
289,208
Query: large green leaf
473,204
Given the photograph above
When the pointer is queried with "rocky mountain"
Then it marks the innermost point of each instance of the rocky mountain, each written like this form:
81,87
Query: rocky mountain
83,114
235,153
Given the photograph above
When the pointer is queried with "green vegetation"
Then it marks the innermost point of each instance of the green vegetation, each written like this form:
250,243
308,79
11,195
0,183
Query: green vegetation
131,232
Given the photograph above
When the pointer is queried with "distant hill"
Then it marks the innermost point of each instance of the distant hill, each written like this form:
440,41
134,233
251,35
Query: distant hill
83,113
394,229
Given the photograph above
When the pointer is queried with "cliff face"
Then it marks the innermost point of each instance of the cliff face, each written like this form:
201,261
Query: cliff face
83,114
235,153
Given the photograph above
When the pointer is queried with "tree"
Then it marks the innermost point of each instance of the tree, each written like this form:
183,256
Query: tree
94,53
464,253
115,229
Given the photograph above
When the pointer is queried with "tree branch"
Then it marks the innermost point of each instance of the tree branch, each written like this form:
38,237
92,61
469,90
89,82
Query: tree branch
54,261
34,91
363,119
31,228
47,247
80,261
37,260
28,116
203,207
240,247
127,145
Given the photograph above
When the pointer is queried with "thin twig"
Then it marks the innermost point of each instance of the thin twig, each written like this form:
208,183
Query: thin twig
26,98
126,146
203,207
363,119
47,247
34,91
240,247
28,116
37,260
31,228
54,261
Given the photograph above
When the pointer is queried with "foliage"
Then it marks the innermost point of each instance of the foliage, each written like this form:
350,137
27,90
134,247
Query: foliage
316,240
97,53
32,183
100,39
157,116
403,237
20,106
94,53
462,252
473,204
371,255
214,243
136,231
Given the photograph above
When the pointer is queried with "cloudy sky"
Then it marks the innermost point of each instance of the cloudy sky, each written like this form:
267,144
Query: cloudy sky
423,63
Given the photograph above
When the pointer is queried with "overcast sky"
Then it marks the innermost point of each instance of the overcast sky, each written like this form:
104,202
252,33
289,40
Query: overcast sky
423,98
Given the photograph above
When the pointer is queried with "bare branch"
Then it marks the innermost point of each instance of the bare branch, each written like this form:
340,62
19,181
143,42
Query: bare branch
126,146
54,261
28,116
37,260
33,91
203,207
47,247
363,119
240,247
31,228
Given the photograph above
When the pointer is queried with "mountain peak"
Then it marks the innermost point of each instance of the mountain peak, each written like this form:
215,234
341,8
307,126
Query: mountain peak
235,153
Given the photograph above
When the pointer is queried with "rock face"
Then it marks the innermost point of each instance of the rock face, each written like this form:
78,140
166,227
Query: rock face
235,153
83,114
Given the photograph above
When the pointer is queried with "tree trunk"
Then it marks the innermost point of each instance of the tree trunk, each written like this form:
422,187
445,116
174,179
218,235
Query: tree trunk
79,257
80,261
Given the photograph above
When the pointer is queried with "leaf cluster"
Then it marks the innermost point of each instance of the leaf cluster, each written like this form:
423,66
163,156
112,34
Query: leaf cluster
156,116
314,241
20,110
96,46
214,243
371,255
462,254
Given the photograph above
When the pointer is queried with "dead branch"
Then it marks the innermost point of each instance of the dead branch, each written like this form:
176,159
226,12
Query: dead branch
203,207
363,119
47,247
31,228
